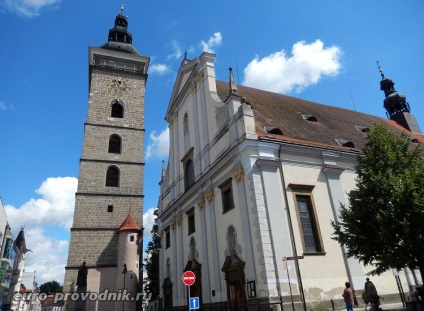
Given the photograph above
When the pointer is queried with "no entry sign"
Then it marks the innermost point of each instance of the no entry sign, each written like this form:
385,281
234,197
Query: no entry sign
189,278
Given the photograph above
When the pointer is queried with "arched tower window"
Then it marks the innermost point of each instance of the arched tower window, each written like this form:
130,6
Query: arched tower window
186,133
117,110
112,177
188,174
114,144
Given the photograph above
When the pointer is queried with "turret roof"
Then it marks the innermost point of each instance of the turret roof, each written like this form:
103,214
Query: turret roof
129,224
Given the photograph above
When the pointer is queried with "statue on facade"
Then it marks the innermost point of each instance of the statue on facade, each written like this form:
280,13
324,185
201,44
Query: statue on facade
82,287
82,275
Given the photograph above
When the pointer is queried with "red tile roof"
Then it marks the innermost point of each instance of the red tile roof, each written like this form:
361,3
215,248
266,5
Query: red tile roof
286,113
129,224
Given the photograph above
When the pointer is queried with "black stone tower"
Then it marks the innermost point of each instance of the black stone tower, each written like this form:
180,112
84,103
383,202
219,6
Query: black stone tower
111,172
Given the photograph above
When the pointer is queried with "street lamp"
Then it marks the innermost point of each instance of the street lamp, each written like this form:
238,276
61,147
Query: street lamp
124,272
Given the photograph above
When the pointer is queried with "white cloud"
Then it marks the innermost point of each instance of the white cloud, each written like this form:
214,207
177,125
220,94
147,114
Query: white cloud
48,257
148,221
176,50
158,145
214,41
160,69
30,8
307,64
4,106
55,207
52,212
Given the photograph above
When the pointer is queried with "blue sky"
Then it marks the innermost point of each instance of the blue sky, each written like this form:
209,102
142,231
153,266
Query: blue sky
323,51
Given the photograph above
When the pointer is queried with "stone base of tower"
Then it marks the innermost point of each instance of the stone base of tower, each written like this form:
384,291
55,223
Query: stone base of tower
101,289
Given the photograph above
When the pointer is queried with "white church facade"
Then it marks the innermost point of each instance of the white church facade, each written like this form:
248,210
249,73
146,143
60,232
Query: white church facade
254,177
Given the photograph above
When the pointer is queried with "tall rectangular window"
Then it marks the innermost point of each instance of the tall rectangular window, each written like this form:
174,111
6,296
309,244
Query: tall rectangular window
167,238
227,196
308,224
191,223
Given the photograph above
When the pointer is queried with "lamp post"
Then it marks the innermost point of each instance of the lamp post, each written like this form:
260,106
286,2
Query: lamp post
124,272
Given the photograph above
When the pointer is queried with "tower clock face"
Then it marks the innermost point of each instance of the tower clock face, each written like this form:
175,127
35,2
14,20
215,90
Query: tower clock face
118,84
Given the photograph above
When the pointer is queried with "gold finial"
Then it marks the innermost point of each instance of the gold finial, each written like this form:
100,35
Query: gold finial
380,69
122,7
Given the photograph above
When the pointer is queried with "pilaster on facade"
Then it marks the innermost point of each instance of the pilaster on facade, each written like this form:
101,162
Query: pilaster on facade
333,172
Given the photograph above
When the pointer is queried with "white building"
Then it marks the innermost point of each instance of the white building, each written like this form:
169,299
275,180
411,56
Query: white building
253,177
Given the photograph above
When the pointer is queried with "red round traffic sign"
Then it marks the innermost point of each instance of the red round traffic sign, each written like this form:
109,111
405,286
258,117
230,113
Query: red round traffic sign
189,278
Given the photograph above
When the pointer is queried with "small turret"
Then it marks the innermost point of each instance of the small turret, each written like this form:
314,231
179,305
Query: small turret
128,261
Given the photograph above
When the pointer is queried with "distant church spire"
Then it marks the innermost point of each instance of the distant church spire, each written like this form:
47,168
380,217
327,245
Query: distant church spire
397,108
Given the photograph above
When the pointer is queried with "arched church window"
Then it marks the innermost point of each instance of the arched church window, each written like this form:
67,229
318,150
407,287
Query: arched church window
117,110
112,177
188,174
114,144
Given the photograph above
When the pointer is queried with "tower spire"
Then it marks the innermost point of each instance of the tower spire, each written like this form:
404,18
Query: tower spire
119,38
397,108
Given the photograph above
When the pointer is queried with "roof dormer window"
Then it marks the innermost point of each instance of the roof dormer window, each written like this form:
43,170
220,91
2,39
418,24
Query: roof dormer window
362,129
345,143
310,117
273,130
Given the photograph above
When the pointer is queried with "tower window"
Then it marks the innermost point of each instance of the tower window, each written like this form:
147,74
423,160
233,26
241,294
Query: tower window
112,177
110,208
114,144
117,110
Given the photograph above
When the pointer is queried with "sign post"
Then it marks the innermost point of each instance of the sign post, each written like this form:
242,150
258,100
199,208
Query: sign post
188,279
288,276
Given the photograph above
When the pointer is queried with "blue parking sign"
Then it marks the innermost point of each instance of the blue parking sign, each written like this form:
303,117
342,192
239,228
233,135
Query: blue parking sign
194,303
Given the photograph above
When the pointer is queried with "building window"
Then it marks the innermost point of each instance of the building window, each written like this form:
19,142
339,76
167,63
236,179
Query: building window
191,222
112,177
308,224
188,174
110,208
114,144
132,238
117,110
227,196
186,133
167,238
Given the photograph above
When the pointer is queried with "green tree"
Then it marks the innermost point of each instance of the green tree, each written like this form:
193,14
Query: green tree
384,224
51,287
151,263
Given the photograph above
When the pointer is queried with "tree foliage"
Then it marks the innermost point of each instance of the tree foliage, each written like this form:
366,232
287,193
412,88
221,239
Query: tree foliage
384,225
51,287
151,263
